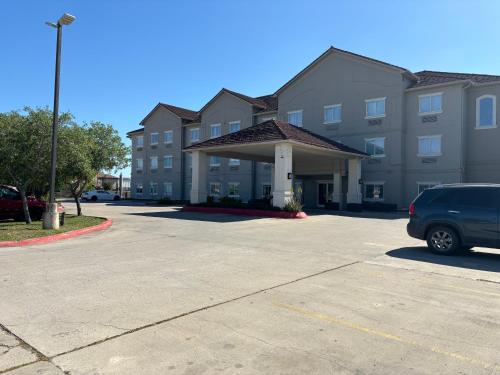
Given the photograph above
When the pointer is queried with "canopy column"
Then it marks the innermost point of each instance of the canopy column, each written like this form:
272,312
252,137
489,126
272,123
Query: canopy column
199,177
282,193
354,196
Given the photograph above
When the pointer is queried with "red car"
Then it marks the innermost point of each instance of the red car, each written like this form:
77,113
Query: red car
11,205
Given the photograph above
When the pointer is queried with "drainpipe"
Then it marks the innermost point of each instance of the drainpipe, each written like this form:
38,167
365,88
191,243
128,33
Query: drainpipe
183,172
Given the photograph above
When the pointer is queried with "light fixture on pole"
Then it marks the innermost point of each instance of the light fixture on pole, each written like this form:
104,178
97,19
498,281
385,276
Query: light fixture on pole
51,215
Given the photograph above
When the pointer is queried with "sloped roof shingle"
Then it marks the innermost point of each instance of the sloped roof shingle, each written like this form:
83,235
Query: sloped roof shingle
429,77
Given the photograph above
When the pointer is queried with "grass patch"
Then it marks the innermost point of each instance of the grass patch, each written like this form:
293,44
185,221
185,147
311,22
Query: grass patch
17,231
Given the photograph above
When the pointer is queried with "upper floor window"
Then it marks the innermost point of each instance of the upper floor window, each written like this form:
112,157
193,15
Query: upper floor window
215,130
153,160
332,114
140,141
154,138
168,136
375,107
429,145
295,118
234,126
214,161
194,134
234,162
486,112
168,161
375,147
139,164
430,103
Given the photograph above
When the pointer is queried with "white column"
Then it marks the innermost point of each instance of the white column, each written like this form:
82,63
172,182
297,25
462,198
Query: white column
199,177
272,181
337,187
353,185
282,192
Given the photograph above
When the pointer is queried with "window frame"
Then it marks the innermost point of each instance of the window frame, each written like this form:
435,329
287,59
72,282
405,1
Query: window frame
210,189
151,158
171,132
331,106
151,184
215,126
191,131
437,136
137,184
375,100
431,112
141,145
214,164
231,123
229,189
151,139
381,183
232,162
265,184
367,140
478,112
301,111
137,164
171,157
165,190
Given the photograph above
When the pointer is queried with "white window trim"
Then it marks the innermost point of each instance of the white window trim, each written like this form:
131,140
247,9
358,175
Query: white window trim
440,136
372,139
373,183
191,131
234,122
426,183
210,189
215,126
151,164
214,164
228,189
150,137
332,106
431,112
375,100
137,141
478,112
171,132
167,157
296,111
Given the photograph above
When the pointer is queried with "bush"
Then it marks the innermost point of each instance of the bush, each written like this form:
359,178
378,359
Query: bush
165,201
230,202
293,205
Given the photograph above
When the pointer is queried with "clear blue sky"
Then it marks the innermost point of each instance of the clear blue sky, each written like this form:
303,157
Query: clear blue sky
121,57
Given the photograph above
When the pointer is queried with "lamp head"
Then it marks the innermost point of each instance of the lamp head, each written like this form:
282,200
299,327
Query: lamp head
66,19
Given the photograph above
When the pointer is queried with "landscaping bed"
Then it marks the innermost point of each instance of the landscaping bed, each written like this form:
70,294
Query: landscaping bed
15,233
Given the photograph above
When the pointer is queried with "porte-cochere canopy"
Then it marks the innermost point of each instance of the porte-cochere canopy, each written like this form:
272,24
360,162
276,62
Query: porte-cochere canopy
291,149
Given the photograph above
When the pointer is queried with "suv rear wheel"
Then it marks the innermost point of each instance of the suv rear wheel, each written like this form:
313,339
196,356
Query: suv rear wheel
443,240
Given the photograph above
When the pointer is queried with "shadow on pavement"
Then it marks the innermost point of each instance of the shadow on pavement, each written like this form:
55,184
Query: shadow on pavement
195,216
362,214
471,260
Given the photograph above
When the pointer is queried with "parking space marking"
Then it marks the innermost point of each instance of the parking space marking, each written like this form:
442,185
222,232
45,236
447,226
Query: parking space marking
388,336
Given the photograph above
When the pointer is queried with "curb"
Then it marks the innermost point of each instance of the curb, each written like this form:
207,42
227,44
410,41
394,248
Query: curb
246,212
57,237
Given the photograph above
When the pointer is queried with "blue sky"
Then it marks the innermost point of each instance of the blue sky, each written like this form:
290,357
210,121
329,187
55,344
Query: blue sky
121,57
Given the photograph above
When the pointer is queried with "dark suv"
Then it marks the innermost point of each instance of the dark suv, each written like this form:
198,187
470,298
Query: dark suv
457,217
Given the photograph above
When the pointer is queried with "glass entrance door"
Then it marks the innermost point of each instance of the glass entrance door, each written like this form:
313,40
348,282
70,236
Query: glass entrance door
325,193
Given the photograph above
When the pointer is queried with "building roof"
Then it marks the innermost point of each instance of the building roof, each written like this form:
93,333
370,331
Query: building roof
182,113
271,131
429,77
136,131
262,103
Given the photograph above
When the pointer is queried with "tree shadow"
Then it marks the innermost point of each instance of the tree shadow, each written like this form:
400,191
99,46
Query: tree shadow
476,260
195,216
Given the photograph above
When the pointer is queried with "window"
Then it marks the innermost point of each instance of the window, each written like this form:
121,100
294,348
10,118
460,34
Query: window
194,134
153,161
332,114
234,189
139,164
214,161
140,141
486,112
234,162
154,138
234,126
168,136
167,189
264,119
374,191
429,145
215,131
138,188
295,118
477,197
215,189
375,147
430,103
426,185
153,188
266,191
375,107
168,161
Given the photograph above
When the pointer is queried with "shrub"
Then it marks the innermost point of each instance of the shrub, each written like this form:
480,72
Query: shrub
293,205
165,201
230,202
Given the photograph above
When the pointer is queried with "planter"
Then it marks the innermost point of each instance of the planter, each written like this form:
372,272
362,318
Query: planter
246,212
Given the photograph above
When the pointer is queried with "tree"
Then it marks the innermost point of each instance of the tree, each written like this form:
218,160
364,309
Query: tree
25,146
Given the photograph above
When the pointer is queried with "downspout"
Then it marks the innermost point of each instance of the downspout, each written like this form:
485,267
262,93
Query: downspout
183,172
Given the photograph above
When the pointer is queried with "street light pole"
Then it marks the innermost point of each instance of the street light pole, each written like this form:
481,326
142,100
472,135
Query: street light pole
51,216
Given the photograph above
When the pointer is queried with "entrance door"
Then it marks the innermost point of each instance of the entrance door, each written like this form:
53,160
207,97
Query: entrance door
298,190
325,193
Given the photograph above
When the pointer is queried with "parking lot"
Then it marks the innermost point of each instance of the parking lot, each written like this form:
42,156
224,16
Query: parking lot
167,292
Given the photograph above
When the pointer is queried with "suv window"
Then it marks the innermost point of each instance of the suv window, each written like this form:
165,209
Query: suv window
442,196
480,197
7,193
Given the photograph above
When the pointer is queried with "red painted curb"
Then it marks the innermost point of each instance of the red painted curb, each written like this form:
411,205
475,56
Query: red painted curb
58,236
246,212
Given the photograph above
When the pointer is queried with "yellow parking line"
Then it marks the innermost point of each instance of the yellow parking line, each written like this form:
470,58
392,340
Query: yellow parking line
388,336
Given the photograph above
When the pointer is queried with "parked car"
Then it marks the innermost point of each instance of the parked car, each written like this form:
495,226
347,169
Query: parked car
11,205
102,195
457,217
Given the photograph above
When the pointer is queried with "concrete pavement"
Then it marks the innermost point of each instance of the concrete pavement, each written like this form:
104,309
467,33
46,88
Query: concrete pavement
170,292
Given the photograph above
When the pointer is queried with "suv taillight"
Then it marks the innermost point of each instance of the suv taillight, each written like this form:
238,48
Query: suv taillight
411,210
